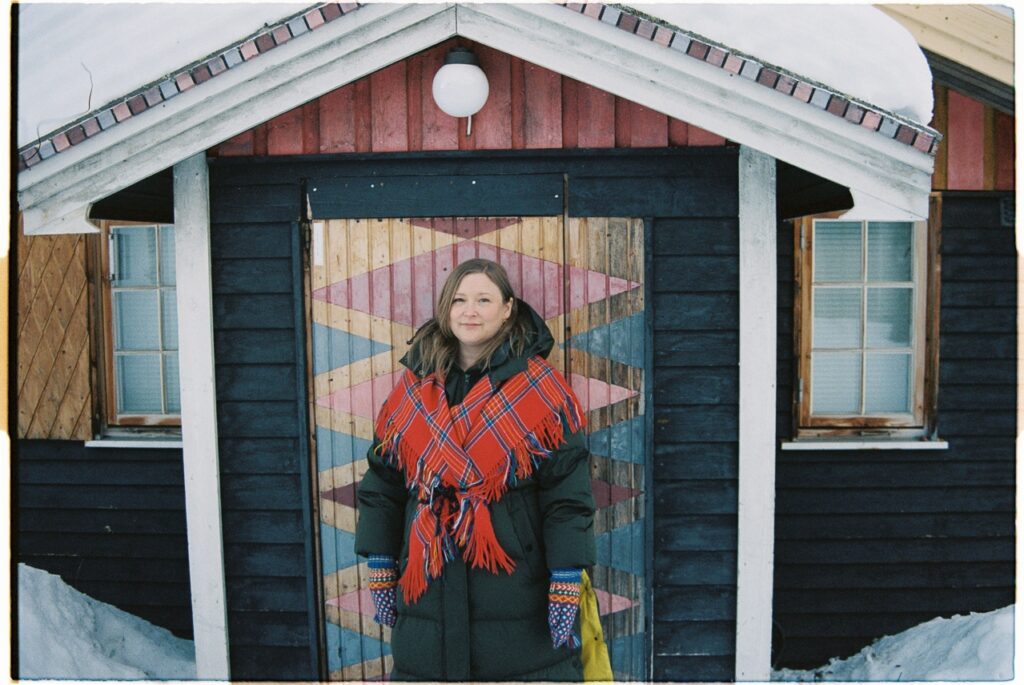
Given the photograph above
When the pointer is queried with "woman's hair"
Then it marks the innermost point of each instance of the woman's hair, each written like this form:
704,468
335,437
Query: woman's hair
438,346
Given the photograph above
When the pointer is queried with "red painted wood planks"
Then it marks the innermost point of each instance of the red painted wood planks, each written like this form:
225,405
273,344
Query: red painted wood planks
678,133
492,125
393,110
337,120
438,130
543,111
570,113
239,146
647,127
389,109
595,123
284,133
1005,144
698,137
965,137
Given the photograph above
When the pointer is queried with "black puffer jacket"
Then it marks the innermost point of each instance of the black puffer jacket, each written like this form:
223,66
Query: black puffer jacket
472,624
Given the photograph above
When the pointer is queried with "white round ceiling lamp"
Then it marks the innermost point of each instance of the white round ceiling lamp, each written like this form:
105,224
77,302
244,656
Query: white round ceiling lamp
460,86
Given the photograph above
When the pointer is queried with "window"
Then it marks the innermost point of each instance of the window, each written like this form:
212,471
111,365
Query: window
867,324
140,326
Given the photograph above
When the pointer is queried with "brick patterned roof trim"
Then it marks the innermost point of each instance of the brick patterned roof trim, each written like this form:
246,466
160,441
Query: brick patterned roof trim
856,112
195,74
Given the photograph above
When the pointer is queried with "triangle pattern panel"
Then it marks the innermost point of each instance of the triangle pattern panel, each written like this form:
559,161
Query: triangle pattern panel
363,399
337,548
338,449
346,647
396,291
607,494
595,394
623,441
623,548
333,348
621,340
465,227
627,651
390,296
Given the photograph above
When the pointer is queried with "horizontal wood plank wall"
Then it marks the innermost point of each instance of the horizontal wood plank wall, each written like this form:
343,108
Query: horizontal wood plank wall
978,148
529,107
872,543
260,410
696,429
110,522
52,329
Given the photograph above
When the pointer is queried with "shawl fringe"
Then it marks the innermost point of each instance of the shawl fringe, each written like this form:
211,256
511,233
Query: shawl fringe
424,443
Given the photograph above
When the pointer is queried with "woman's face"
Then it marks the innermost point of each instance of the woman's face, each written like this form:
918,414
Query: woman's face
477,313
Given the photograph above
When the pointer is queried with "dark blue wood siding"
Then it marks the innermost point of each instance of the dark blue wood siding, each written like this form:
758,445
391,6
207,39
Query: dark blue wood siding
262,425
688,197
872,543
110,522
696,408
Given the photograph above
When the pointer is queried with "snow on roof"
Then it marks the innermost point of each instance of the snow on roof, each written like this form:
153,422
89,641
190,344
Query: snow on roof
110,50
856,49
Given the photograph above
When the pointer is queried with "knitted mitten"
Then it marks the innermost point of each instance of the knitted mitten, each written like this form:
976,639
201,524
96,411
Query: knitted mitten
383,584
563,605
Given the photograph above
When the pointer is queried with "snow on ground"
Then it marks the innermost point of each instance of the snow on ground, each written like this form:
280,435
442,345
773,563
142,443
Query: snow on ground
63,633
974,647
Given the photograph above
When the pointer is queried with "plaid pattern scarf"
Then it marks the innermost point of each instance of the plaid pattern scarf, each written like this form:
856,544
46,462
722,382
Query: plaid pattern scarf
457,460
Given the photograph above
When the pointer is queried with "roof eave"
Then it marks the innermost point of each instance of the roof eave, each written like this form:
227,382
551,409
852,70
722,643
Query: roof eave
55,196
687,89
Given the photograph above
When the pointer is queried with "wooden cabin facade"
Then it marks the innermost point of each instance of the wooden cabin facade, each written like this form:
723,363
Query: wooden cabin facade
638,235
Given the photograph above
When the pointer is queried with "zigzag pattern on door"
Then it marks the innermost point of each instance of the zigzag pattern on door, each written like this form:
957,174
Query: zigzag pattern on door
374,281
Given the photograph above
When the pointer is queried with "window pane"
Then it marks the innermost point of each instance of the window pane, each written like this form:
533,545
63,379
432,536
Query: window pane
887,380
138,384
837,317
135,251
890,315
890,251
835,384
169,315
837,251
171,387
135,320
167,255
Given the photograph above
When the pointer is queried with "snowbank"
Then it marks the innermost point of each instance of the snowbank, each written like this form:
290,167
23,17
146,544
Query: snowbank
975,647
63,633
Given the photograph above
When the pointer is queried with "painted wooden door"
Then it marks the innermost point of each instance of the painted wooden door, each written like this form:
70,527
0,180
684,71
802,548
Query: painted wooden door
373,282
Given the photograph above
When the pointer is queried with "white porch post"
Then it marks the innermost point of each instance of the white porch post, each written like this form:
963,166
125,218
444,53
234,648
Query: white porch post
755,550
199,417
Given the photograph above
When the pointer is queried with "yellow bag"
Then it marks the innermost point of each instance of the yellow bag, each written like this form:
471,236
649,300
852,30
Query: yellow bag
596,664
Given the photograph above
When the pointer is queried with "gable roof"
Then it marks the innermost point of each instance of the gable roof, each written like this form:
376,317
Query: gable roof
689,76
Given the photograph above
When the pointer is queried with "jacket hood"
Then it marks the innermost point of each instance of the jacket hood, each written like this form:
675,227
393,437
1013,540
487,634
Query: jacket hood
504,363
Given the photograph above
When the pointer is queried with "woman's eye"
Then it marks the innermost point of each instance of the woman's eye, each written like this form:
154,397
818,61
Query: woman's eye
458,300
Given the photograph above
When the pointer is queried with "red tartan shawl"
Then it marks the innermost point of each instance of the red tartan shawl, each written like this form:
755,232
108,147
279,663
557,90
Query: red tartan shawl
457,460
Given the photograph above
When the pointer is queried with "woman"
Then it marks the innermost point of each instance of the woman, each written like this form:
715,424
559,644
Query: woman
476,512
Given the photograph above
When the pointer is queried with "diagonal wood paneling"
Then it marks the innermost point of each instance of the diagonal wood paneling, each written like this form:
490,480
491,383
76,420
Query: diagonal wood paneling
54,395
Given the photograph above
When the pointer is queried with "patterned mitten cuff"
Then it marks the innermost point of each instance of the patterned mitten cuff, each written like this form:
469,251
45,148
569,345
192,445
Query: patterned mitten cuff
563,605
383,584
